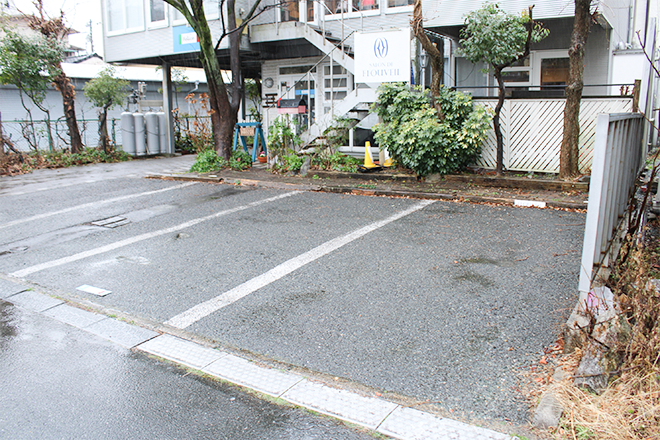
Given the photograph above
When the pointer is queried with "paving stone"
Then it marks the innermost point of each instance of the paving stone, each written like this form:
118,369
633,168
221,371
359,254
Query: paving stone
34,301
7,288
180,350
73,316
244,372
345,405
121,333
412,424
548,412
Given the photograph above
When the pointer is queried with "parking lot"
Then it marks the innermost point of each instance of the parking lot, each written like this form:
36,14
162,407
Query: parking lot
438,301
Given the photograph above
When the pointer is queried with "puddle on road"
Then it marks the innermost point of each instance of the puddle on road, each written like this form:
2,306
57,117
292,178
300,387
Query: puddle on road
476,278
7,326
484,260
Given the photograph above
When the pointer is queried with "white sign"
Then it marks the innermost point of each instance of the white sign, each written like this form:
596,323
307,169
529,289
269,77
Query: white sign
382,56
189,38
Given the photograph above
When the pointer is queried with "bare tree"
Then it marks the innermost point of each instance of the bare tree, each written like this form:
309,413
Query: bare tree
55,31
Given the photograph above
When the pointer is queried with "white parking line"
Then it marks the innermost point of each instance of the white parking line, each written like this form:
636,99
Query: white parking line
204,309
92,205
141,237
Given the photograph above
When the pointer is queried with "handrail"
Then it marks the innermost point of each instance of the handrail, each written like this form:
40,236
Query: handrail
308,72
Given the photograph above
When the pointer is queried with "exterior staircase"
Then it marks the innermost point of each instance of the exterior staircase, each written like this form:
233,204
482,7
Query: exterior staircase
355,105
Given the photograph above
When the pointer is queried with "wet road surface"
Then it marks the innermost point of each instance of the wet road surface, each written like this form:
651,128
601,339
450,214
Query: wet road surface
61,382
444,302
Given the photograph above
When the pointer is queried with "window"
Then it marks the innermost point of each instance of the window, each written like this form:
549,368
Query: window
554,72
520,73
157,13
211,11
294,70
398,3
124,16
334,7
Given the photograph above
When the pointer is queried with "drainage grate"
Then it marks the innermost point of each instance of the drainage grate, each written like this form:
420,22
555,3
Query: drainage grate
111,222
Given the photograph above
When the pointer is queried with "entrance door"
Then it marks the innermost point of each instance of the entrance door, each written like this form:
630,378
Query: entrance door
292,87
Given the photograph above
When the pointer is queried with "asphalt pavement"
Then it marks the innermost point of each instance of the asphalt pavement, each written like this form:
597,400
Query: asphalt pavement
61,382
434,305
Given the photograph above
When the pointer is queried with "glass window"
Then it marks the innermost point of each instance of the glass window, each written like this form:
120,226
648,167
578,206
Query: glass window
335,6
397,3
518,76
366,5
211,10
554,71
336,70
294,70
125,15
156,11
336,82
290,11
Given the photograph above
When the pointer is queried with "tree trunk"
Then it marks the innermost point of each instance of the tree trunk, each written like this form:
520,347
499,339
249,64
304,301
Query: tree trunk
568,158
496,122
435,54
222,117
63,84
103,129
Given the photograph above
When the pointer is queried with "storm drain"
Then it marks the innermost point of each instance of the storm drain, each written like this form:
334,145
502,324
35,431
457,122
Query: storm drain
111,222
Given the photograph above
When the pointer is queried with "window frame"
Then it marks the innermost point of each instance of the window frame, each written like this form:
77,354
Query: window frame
165,22
125,29
354,13
397,9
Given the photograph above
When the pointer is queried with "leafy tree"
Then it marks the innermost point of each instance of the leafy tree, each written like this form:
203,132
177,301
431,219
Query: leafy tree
568,157
499,39
415,136
29,63
224,103
55,31
106,91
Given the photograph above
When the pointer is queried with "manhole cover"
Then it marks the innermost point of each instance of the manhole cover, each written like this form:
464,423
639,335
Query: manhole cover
111,222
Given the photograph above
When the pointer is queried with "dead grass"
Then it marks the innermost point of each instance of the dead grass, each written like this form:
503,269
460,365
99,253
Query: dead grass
630,406
629,409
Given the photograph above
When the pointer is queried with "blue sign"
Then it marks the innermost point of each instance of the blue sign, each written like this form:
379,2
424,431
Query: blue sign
184,39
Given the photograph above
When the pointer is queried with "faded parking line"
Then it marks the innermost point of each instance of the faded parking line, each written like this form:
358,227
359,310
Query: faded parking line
142,237
92,205
204,309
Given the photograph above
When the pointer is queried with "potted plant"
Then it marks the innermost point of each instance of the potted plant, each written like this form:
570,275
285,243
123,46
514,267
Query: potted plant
262,157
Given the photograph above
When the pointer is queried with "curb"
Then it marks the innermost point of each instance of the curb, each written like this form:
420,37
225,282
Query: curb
377,192
364,409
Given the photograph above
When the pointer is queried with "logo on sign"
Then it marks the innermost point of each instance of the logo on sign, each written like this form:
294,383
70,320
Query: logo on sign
188,38
380,48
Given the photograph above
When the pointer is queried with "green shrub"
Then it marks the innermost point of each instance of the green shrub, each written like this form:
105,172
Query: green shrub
415,136
290,162
336,161
240,160
207,161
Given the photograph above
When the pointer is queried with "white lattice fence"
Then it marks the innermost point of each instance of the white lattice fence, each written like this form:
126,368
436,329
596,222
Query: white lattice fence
532,130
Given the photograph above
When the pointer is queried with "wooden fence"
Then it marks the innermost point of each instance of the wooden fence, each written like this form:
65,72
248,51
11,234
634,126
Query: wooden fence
532,130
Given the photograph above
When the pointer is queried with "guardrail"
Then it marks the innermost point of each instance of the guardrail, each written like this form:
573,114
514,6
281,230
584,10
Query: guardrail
618,159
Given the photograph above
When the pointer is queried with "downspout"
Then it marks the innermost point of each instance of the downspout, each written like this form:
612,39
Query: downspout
646,19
